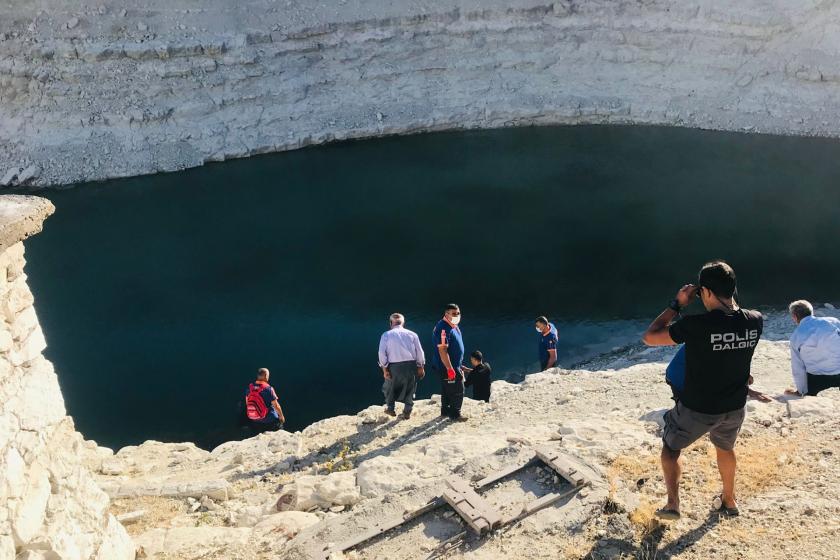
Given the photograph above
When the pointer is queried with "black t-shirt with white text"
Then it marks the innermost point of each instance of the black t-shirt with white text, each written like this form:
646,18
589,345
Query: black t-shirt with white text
718,351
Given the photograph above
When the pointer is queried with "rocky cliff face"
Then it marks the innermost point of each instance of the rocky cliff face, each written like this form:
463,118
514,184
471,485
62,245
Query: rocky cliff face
50,506
91,92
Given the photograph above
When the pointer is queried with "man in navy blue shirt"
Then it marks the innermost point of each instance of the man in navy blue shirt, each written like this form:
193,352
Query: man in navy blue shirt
448,362
547,343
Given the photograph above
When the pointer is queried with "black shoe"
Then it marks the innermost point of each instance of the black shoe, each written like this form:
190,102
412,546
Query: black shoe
390,412
405,415
459,418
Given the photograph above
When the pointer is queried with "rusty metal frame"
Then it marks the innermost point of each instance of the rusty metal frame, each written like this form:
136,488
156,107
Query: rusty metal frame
480,517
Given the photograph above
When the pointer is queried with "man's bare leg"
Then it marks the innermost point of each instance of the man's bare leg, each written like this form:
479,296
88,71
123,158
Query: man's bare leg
672,471
726,465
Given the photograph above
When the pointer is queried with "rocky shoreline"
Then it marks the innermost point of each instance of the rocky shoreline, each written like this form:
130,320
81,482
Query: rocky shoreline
290,495
294,492
96,92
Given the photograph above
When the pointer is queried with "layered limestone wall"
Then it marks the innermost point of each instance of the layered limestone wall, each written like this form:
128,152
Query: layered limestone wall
50,506
107,89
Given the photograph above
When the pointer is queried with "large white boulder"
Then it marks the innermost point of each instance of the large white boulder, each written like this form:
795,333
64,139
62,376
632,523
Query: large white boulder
310,491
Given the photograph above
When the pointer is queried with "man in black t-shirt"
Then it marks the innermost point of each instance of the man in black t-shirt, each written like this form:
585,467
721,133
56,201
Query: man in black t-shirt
719,347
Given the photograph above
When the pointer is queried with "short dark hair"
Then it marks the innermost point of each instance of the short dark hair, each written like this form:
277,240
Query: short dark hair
542,319
718,277
451,306
478,356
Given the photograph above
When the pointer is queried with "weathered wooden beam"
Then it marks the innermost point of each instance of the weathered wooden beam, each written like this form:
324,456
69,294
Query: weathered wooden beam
562,465
499,475
475,510
538,504
381,528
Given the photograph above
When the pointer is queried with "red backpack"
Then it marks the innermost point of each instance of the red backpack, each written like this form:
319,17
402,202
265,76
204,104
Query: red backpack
255,407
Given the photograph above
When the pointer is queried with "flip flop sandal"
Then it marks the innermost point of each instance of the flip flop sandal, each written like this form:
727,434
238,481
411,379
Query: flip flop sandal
667,514
720,509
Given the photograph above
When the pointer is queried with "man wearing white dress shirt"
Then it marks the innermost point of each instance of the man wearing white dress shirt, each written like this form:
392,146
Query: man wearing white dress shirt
814,350
403,364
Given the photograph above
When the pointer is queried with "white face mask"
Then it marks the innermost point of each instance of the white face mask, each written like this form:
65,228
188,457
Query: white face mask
539,330
455,319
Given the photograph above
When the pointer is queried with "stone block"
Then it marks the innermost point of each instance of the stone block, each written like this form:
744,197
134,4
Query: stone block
25,322
13,261
286,523
7,547
15,473
32,508
309,491
17,298
5,338
116,544
39,403
29,349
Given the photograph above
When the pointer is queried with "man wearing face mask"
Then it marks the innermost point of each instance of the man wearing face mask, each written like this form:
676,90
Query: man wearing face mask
547,343
448,362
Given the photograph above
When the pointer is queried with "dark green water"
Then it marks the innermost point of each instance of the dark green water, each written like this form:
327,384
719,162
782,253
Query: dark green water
160,296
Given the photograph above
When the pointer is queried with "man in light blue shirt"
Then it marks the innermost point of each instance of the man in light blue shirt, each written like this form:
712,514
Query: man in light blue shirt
814,350
403,364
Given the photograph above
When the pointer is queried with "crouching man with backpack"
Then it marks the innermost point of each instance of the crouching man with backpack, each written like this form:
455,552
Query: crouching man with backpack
262,409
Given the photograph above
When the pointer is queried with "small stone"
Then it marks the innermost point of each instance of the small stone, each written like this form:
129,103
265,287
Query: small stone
782,459
123,12
207,504
142,26
131,516
72,22
379,116
337,509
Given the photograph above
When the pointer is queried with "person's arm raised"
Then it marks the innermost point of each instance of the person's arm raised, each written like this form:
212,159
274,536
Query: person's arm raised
657,333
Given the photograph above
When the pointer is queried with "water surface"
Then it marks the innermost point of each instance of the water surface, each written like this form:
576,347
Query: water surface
161,295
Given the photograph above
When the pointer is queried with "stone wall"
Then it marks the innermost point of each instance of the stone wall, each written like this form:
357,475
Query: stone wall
50,506
92,91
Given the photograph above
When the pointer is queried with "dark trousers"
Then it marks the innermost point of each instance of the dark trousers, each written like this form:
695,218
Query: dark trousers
817,383
451,396
260,427
402,386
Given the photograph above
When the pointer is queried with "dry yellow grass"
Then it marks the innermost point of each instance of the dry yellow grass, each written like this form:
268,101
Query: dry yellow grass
159,512
765,461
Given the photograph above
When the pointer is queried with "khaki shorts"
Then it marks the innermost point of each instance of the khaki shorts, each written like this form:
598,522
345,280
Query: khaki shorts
684,426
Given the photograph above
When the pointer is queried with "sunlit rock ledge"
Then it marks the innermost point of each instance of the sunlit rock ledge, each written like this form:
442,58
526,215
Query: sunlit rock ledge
95,91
